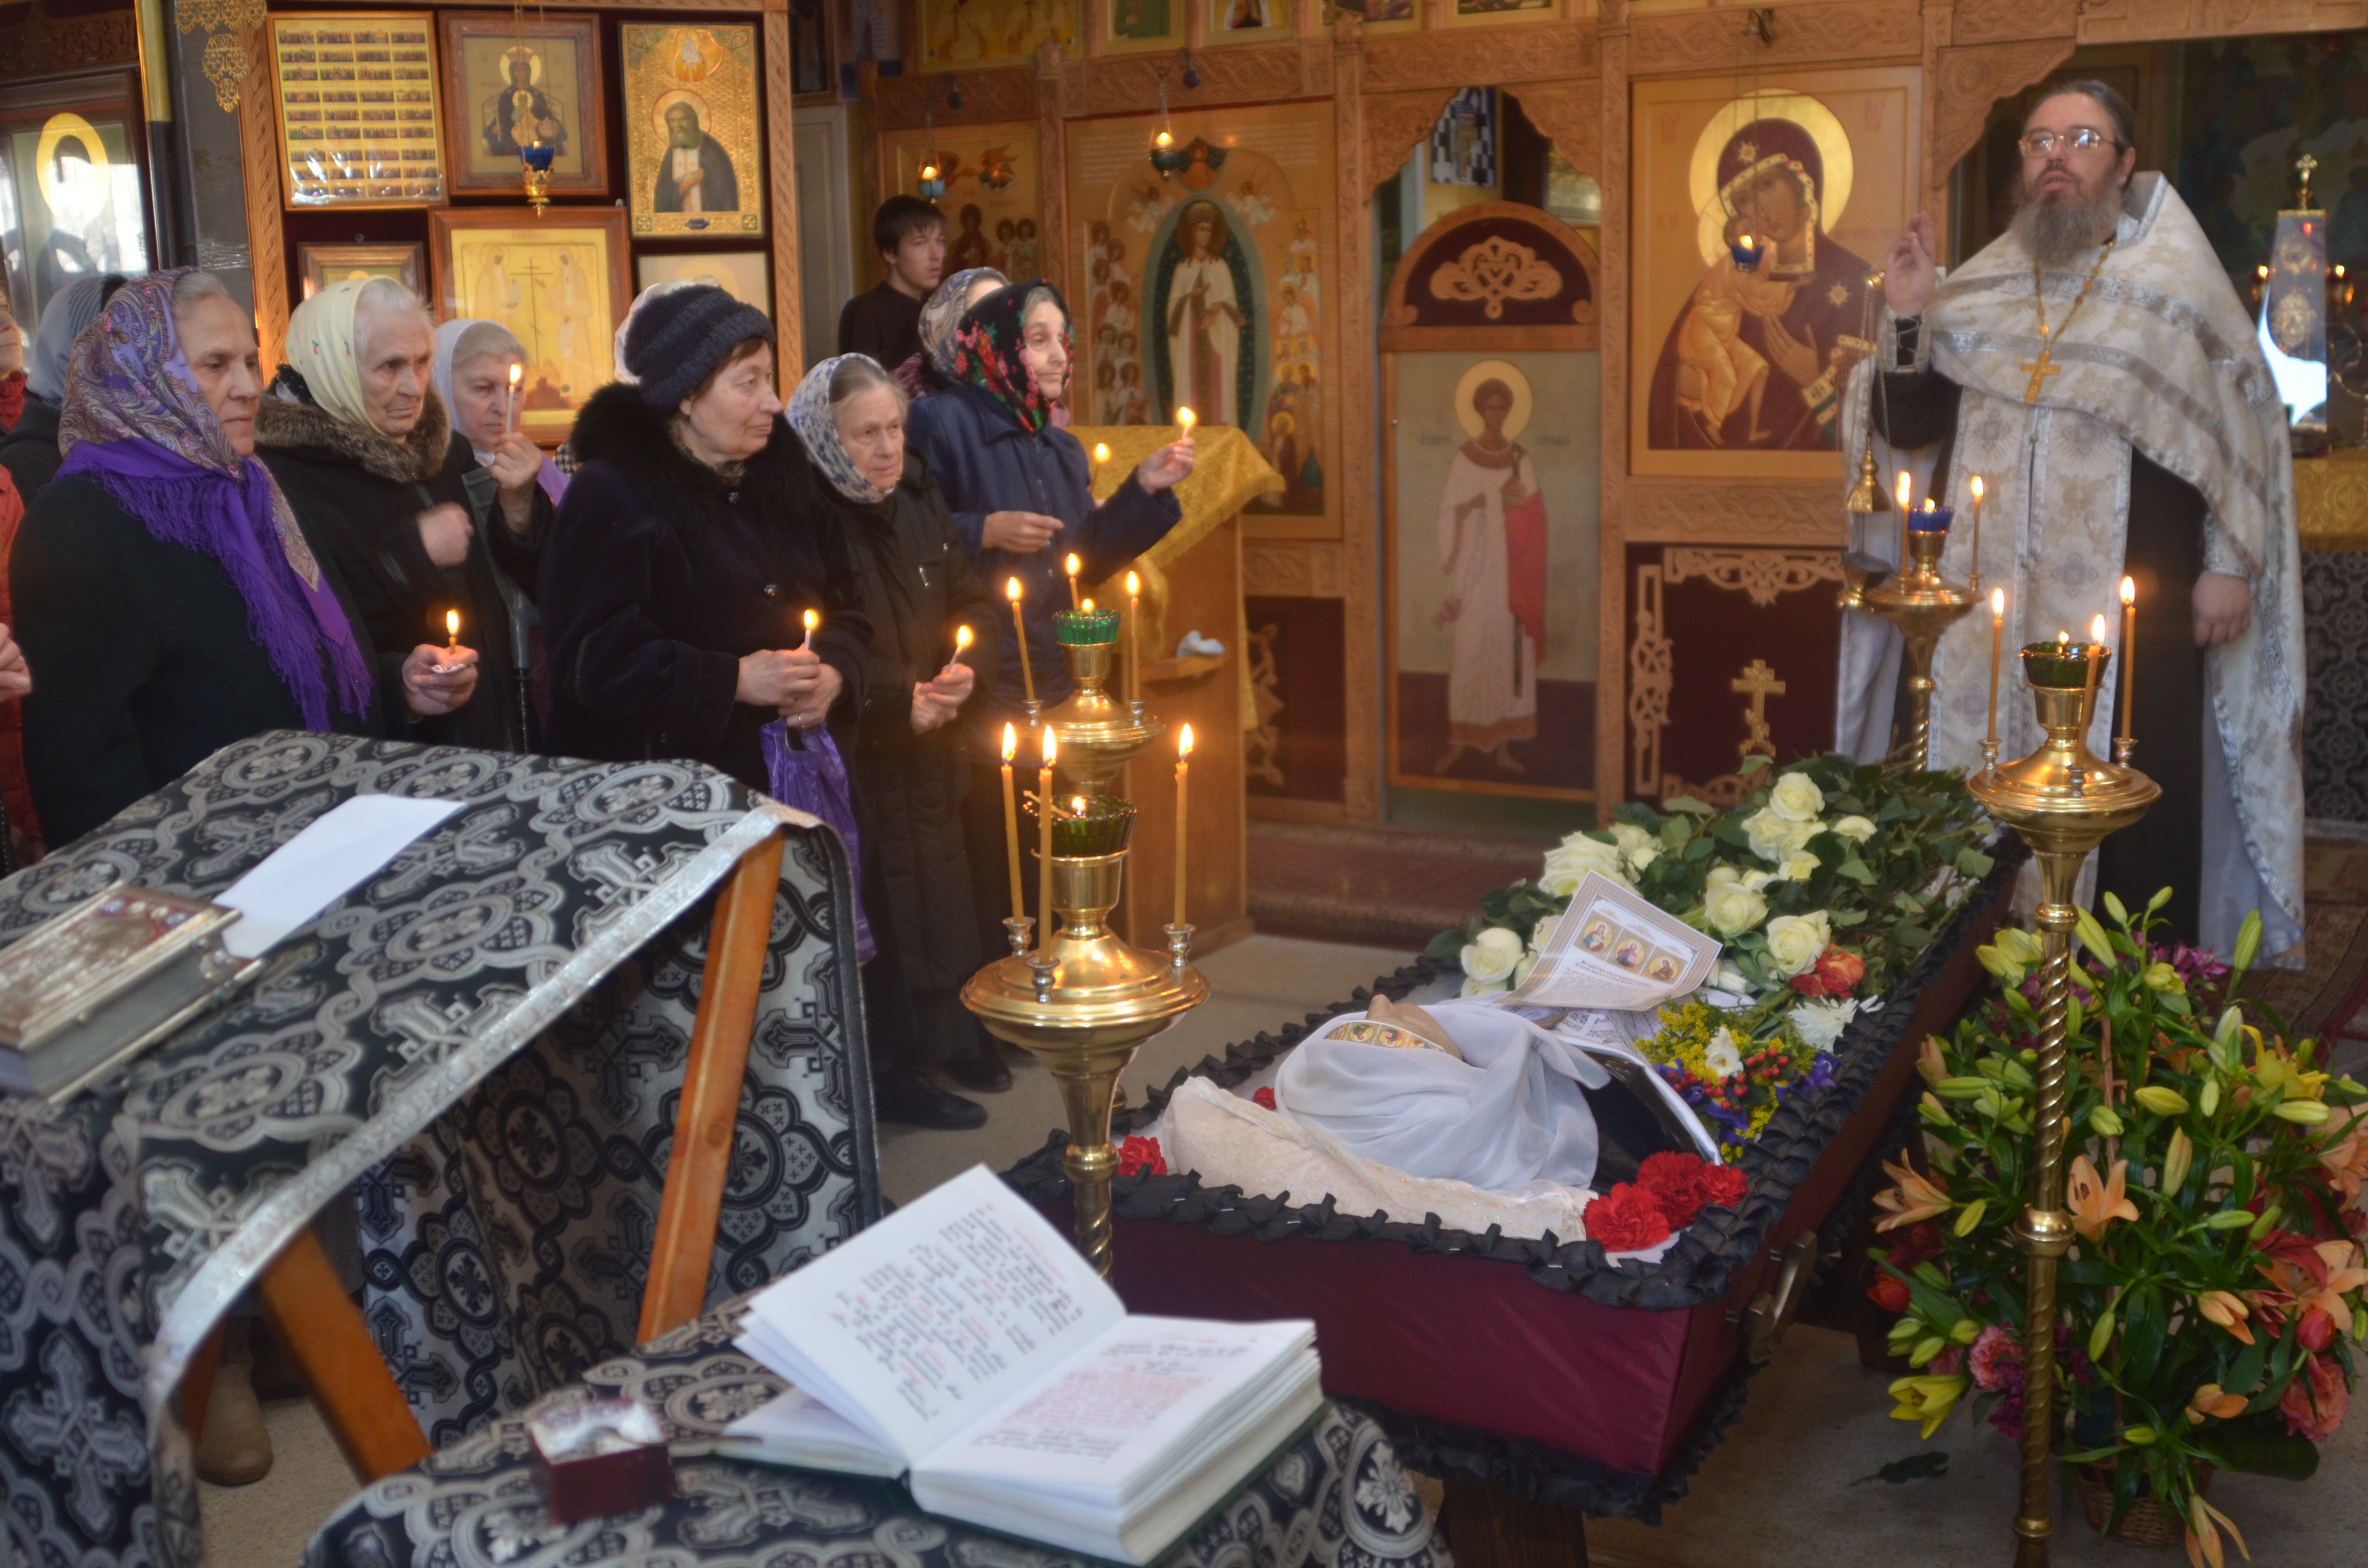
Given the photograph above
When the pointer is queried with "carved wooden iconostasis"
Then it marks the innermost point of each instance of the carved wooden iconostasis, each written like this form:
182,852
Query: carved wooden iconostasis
1716,511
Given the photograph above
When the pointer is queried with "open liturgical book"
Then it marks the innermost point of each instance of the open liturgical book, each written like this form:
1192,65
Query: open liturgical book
964,1345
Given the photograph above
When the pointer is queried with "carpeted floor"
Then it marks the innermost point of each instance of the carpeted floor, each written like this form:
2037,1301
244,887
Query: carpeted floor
2326,995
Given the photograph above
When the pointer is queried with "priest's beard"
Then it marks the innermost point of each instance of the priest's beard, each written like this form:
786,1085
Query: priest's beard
2059,225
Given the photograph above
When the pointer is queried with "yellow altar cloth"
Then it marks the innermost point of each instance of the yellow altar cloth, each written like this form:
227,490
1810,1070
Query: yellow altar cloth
1228,474
2331,500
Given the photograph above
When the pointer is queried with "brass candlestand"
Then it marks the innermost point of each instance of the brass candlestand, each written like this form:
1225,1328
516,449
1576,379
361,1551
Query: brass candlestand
1922,604
1082,1004
1099,734
2064,802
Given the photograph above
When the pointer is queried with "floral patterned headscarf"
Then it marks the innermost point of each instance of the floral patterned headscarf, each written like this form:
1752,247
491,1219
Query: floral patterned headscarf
810,415
943,313
987,345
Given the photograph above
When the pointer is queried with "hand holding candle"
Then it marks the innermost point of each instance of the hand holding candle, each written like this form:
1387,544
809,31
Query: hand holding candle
812,618
1011,823
1186,419
1020,629
962,645
1183,768
452,630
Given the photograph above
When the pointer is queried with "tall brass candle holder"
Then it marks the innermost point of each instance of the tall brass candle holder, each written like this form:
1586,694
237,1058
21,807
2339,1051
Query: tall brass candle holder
2064,801
1923,605
1083,1001
1098,734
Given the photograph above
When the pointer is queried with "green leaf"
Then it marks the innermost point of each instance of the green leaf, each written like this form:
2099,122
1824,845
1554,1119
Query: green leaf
1692,807
2143,1325
1973,863
1857,870
1929,1466
1751,765
1444,947
2259,1445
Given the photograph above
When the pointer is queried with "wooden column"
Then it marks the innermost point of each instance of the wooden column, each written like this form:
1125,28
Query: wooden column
1053,161
1612,622
1351,286
789,305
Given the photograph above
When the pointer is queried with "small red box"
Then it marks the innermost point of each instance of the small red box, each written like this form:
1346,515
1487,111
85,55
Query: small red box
603,1457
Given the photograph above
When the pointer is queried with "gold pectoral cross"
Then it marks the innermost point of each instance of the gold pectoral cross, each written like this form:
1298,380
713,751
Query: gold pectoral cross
2039,369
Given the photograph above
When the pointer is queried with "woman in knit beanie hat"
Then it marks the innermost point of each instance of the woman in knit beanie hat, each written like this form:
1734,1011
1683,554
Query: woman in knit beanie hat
688,547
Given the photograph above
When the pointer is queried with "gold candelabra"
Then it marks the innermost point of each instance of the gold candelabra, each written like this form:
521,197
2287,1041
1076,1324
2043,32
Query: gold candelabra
1922,604
2063,802
1082,1002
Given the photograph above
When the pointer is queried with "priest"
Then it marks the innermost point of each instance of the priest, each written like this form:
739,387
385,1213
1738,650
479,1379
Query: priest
2094,368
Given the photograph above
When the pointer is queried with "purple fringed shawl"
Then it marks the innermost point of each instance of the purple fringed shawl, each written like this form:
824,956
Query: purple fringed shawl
133,421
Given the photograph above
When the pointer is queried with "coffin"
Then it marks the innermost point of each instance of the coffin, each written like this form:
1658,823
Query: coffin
1532,1366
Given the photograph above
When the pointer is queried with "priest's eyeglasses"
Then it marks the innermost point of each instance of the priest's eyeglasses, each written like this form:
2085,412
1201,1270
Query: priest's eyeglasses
2080,138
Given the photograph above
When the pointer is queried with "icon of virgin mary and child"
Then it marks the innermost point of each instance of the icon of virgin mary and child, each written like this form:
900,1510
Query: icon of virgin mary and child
1758,358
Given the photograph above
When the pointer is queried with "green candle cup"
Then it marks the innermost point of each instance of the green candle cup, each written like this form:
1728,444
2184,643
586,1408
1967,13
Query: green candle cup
1085,825
1085,626
2060,667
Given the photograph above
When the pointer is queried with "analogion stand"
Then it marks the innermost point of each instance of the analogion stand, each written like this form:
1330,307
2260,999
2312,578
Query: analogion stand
1192,580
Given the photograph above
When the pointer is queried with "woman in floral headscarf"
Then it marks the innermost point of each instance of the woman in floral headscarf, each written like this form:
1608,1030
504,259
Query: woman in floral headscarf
932,369
163,588
1020,492
918,586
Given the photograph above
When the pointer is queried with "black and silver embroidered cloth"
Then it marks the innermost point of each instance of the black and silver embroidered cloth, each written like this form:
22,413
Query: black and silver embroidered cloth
1338,1498
485,1043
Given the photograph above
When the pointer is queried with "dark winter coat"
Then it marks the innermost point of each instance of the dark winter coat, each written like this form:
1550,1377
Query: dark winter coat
985,461
662,574
30,451
918,586
142,663
359,495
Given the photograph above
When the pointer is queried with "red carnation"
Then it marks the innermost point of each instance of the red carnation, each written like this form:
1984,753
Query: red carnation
1141,1155
1626,1220
1888,1294
1812,984
1682,1183
1264,1097
1840,972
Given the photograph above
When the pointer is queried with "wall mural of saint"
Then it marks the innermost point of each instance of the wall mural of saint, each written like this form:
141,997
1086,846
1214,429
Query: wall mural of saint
1492,556
1204,353
1757,360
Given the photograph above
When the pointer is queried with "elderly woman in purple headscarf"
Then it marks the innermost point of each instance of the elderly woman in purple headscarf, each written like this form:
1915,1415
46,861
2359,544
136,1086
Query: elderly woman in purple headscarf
163,586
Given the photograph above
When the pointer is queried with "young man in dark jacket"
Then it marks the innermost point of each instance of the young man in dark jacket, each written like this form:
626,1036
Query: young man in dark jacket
884,322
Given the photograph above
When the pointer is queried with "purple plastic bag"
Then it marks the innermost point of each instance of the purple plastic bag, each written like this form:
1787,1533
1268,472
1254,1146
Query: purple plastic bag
807,772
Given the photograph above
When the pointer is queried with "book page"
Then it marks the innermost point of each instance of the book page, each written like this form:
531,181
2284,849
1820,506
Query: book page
1611,949
1144,1389
935,1315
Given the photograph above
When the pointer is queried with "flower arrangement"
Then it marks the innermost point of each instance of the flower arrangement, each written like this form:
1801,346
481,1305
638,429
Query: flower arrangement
1822,886
2210,1310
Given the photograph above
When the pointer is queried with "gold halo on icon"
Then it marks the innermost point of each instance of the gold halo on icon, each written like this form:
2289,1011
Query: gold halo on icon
57,126
1468,417
533,64
1833,150
666,100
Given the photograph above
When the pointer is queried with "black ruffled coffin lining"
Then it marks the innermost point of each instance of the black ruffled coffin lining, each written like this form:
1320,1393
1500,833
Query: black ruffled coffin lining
1698,1269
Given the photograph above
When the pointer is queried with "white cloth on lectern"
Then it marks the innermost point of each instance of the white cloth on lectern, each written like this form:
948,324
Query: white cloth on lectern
1511,1111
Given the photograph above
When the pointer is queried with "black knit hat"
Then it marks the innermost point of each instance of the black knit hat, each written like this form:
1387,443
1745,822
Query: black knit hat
678,336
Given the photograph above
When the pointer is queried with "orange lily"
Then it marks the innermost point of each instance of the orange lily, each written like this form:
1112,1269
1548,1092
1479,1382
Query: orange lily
2212,1399
2228,1310
2203,1538
2097,1202
2343,1273
2345,1161
1917,1198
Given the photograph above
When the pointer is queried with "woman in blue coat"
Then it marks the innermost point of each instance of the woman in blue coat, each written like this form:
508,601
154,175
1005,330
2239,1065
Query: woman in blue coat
1019,487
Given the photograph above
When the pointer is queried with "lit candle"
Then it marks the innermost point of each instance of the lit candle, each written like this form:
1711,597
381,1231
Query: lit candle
1102,455
517,373
1902,493
1044,844
1133,639
1020,629
1974,485
1183,767
962,645
451,631
1073,566
1011,823
1187,418
2129,654
2095,659
1997,639
811,620
1088,605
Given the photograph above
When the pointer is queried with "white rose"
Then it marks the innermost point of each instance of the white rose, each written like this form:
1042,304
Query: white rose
1633,839
1755,880
1733,909
1645,854
1721,876
1798,867
1798,834
1856,829
1529,961
1720,1056
1795,941
1727,978
1488,960
1796,798
1821,1023
1767,833
1567,864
